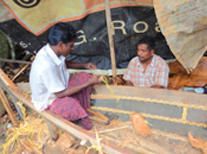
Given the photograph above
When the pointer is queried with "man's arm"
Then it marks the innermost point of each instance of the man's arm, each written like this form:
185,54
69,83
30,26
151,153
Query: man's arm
74,89
90,66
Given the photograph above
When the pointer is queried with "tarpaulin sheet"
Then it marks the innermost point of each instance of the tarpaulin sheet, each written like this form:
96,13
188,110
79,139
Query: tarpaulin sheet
131,23
37,15
184,24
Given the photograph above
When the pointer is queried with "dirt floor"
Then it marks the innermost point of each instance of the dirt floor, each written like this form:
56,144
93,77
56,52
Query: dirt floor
32,136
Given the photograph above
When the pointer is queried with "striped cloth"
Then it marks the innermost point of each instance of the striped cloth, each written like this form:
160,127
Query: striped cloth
155,74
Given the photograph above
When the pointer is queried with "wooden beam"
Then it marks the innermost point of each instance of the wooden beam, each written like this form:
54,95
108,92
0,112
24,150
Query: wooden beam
108,72
20,71
53,130
103,117
4,82
111,40
113,129
7,107
164,96
16,61
5,79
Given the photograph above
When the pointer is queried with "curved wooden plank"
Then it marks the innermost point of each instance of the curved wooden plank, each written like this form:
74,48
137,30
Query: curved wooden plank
171,96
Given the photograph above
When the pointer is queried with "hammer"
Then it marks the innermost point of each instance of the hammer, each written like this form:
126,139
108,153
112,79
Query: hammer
113,117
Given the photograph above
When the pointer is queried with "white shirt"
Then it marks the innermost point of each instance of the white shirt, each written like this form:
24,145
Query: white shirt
48,75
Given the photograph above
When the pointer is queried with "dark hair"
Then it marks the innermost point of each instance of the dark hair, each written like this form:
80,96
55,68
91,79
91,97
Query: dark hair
61,32
149,41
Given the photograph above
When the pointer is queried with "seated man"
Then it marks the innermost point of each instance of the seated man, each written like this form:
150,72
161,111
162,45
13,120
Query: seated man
147,69
52,86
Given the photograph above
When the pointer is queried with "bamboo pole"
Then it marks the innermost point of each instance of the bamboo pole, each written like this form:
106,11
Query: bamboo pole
5,79
113,129
100,149
16,61
111,40
103,117
22,69
7,107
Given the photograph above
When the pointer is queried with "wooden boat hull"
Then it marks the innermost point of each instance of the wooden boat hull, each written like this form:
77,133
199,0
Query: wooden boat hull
171,111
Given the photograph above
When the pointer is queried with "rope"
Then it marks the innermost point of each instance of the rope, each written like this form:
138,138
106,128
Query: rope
152,116
193,106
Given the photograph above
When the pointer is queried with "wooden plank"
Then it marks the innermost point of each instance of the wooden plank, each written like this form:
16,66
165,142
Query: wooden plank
4,82
16,61
111,40
5,78
109,72
182,98
15,100
60,122
21,70
7,107
103,117
113,129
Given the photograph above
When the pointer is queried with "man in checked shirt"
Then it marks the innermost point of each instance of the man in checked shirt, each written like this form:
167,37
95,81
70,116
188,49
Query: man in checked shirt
147,69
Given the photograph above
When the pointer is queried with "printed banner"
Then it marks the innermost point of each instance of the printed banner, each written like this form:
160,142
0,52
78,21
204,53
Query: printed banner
38,15
132,20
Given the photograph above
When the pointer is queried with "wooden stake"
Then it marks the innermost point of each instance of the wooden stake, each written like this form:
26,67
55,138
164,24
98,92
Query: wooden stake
29,147
53,130
16,61
26,146
98,141
5,79
7,107
113,129
19,72
103,117
111,40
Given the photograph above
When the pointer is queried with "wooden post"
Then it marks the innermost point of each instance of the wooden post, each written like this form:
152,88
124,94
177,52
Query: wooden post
111,40
7,107
21,70
16,61
53,130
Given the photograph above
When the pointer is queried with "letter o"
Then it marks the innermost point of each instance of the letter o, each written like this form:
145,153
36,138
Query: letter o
143,30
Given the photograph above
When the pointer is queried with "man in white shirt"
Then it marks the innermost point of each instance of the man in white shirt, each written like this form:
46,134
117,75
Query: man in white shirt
52,86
